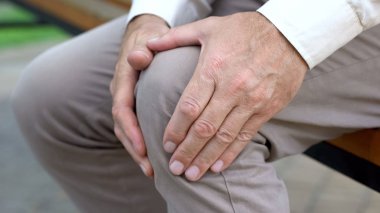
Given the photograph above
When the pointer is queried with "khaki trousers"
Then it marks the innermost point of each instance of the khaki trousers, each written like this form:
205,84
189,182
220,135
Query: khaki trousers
63,106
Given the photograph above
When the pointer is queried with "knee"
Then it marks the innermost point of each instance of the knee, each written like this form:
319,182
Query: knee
40,92
158,91
167,76
29,90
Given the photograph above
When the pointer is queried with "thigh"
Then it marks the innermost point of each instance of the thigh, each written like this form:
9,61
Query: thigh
338,96
63,106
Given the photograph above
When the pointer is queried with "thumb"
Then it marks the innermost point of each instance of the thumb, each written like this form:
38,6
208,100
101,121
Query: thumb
140,57
185,35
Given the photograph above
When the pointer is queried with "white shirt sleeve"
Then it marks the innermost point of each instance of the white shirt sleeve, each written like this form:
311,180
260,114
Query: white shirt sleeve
317,28
174,12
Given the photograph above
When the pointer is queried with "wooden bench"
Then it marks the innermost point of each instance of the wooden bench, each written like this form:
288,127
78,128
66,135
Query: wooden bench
76,16
356,155
364,144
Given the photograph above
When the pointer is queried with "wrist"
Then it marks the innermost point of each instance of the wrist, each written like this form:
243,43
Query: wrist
143,19
274,33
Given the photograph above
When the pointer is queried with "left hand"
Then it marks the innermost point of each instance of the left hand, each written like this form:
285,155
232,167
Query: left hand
247,72
133,57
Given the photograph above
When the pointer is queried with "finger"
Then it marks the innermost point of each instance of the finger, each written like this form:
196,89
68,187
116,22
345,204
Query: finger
194,99
184,35
127,145
126,120
142,161
244,137
123,105
139,59
229,155
140,56
203,129
214,148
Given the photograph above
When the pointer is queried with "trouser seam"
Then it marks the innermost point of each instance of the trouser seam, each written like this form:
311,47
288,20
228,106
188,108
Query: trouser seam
228,192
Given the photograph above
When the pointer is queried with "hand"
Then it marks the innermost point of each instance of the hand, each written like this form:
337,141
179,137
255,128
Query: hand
247,72
134,56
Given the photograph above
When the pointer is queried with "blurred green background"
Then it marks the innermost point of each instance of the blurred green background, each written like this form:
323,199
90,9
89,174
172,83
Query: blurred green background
20,27
24,186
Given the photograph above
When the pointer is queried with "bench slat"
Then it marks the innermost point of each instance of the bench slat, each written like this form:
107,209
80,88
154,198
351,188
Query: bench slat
364,144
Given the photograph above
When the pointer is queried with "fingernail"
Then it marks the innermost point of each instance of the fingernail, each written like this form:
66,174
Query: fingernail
176,167
217,167
192,173
169,147
143,53
143,169
153,39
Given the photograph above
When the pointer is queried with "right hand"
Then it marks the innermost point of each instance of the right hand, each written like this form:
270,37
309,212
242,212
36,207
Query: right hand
133,57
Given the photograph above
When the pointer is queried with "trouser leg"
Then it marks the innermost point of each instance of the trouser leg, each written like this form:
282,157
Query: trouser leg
340,95
63,106
249,185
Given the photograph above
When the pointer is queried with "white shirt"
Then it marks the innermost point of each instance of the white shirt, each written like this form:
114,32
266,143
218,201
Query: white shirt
316,28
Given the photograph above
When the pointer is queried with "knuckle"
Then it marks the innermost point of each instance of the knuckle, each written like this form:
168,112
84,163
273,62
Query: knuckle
204,129
216,64
118,66
174,135
224,137
190,107
209,75
229,156
204,161
266,96
210,71
277,104
244,136
239,84
118,133
185,154
257,99
116,111
263,93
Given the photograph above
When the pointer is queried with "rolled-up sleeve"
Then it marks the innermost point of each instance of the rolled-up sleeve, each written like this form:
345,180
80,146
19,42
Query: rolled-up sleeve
174,12
317,28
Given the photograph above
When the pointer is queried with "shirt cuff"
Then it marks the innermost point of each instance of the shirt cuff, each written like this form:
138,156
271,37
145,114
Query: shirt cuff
174,12
316,28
